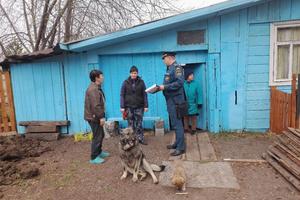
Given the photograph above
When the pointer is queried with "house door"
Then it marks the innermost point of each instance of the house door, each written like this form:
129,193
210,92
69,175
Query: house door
199,70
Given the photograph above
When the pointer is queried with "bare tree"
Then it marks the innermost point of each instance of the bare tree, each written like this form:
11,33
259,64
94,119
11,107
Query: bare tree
32,25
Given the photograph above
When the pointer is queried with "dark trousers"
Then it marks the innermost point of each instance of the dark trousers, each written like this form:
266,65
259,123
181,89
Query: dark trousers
177,125
187,120
98,135
135,120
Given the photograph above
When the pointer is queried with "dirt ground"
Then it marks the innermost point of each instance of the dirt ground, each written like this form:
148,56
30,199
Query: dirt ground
67,174
17,158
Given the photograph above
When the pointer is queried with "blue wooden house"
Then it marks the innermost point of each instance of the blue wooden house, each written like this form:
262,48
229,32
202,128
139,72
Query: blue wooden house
237,49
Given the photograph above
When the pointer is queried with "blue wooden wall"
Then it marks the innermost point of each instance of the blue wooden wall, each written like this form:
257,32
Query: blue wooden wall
257,85
38,92
235,53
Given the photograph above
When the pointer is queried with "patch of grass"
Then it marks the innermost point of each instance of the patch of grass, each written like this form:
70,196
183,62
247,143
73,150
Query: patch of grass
235,135
63,181
66,177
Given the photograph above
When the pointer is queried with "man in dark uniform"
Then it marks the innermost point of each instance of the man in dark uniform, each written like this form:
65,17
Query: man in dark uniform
174,93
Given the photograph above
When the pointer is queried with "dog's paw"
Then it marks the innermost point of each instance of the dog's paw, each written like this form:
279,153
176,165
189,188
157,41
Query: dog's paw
135,179
155,181
123,176
142,178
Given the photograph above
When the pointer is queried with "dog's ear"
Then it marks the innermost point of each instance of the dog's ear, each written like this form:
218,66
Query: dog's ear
130,130
124,131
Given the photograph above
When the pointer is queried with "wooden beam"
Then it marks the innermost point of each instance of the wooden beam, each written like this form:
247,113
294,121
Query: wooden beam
41,129
295,132
3,107
192,149
44,123
292,138
293,102
288,153
43,136
287,175
10,101
244,160
285,162
286,142
207,152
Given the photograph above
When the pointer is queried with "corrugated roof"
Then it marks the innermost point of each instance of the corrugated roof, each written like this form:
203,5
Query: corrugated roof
26,57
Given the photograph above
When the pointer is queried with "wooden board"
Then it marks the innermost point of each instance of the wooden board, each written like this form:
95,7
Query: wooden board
44,123
41,129
3,107
284,162
295,132
288,176
42,136
192,148
293,138
181,157
10,101
289,144
290,154
207,152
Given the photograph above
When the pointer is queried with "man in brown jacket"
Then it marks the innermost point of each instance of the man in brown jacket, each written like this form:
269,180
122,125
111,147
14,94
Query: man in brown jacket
94,113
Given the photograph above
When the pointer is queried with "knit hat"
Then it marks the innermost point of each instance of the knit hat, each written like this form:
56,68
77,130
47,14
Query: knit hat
187,73
134,69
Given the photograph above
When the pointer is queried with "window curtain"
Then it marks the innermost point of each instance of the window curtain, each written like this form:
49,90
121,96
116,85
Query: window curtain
290,35
283,62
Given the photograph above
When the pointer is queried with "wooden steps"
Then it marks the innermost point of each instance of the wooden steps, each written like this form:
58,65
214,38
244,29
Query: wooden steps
198,148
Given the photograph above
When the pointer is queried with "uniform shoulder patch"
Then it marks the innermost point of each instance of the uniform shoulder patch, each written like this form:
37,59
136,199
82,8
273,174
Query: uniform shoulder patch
178,71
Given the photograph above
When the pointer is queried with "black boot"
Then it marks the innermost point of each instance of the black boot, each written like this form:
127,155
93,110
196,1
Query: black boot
171,146
176,153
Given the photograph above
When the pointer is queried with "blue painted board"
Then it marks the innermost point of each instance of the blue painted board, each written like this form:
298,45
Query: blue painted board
38,92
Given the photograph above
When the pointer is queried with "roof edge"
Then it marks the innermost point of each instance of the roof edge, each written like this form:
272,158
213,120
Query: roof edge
201,13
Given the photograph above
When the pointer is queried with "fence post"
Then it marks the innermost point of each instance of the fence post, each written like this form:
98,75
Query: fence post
298,103
293,102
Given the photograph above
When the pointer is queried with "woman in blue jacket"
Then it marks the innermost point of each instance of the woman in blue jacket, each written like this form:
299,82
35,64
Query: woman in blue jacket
194,99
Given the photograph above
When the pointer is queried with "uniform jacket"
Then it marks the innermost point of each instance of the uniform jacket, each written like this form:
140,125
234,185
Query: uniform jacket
193,95
94,104
173,83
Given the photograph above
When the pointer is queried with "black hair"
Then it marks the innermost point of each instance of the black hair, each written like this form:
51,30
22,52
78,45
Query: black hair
95,73
134,69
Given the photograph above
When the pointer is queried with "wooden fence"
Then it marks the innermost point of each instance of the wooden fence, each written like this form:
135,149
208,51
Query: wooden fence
284,112
7,114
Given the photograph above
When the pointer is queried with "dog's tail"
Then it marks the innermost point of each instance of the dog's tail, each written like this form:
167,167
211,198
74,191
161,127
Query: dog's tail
157,168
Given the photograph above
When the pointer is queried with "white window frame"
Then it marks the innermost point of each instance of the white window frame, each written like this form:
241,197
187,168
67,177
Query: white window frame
273,52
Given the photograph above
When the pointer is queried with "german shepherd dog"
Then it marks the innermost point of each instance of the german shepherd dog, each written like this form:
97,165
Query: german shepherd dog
133,159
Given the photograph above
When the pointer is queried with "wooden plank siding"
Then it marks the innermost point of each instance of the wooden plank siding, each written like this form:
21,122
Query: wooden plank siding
38,91
234,39
257,83
7,113
76,71
235,52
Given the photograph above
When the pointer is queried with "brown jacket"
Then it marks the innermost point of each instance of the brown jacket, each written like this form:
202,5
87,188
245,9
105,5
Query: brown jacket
94,104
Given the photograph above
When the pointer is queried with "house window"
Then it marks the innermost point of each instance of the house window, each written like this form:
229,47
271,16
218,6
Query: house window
285,52
190,37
